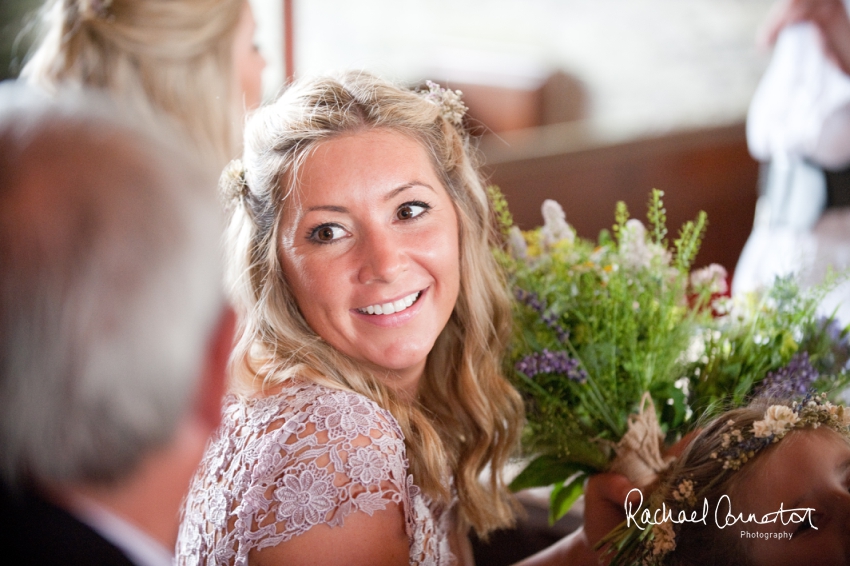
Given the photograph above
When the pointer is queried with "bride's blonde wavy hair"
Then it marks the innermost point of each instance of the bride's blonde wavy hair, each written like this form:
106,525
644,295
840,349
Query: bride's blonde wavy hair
467,417
171,56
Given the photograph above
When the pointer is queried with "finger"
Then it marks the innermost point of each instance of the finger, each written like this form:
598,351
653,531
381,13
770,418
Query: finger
781,15
611,488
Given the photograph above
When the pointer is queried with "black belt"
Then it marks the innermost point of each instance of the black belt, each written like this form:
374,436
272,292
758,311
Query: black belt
837,188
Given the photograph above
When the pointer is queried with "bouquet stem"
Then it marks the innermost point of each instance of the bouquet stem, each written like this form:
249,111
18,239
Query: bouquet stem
639,456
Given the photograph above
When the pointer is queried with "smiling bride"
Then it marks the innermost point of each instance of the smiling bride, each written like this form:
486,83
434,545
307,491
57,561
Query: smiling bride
369,395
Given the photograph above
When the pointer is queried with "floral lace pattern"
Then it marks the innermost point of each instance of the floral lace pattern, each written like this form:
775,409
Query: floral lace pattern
309,455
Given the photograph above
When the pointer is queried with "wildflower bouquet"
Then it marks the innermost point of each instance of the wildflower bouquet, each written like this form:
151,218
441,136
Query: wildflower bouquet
618,344
601,332
770,343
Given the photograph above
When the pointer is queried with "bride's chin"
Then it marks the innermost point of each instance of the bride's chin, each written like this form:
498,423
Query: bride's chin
398,368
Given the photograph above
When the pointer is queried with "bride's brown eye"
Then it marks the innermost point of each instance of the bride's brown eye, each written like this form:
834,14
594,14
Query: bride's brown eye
327,233
411,210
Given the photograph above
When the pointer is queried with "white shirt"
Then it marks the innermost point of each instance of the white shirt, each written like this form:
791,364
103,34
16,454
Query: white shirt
801,107
140,548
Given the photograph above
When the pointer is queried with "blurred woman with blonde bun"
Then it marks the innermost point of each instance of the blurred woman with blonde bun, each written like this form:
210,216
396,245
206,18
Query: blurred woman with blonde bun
194,61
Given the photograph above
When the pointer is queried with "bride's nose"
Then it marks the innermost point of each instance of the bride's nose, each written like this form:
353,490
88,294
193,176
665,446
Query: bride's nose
382,257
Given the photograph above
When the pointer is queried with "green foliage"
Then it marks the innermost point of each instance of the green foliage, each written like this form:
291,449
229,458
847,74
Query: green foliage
598,324
759,335
546,470
624,306
504,219
657,216
689,241
621,216
564,495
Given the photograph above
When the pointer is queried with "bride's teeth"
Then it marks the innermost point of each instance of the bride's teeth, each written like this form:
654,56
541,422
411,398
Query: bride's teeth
392,308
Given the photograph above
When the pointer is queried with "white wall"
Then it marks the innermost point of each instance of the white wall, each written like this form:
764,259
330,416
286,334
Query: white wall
653,63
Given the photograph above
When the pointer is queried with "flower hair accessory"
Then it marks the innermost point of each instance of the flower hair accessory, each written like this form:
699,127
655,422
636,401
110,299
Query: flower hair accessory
232,183
451,106
740,445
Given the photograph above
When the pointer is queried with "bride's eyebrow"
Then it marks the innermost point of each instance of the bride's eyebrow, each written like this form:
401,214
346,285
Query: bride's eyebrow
328,208
395,192
389,196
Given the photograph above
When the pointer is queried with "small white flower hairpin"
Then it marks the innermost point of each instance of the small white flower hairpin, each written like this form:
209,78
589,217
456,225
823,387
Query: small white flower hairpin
451,106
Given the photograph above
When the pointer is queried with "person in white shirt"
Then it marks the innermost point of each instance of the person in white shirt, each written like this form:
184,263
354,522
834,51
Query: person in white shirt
798,125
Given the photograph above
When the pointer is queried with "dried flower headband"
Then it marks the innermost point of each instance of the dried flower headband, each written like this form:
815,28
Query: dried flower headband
738,446
451,106
741,445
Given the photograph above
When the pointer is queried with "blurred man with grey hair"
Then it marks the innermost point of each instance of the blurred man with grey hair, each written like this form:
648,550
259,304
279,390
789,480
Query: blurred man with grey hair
114,331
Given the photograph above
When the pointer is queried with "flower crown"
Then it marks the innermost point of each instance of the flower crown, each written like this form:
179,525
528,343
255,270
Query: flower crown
451,106
738,446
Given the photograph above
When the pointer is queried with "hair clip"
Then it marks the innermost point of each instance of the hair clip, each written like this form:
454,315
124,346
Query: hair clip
232,183
451,106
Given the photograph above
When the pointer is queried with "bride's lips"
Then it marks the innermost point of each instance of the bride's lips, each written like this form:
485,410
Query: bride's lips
392,313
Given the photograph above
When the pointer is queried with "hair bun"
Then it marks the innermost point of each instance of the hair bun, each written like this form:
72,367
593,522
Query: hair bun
232,184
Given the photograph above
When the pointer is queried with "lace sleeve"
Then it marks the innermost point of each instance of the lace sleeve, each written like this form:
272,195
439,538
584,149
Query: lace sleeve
285,463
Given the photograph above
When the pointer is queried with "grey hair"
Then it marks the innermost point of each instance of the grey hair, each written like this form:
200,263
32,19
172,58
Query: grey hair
109,286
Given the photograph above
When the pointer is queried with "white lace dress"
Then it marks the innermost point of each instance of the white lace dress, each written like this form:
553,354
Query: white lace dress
281,464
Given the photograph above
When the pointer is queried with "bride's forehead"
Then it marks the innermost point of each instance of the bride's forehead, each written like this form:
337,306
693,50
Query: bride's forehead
361,164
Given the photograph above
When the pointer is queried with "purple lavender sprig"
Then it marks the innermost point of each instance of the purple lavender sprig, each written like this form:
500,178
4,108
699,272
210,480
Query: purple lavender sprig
838,355
549,318
833,329
552,362
794,379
